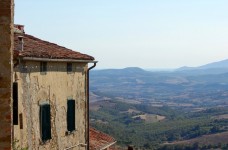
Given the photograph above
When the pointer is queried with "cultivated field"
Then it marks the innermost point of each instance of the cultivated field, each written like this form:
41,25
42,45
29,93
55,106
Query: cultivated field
150,118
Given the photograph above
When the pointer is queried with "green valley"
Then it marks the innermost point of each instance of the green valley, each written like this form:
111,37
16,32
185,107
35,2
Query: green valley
161,110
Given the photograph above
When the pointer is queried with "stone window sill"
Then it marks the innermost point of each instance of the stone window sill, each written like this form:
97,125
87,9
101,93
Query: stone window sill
70,132
45,142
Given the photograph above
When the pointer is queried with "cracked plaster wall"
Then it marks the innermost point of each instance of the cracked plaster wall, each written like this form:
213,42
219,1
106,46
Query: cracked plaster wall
54,87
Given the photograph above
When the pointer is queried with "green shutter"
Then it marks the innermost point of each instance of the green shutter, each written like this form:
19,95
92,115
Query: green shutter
45,122
71,115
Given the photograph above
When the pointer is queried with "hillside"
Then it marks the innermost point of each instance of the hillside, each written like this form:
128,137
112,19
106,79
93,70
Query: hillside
211,68
149,127
212,139
174,87
219,64
153,108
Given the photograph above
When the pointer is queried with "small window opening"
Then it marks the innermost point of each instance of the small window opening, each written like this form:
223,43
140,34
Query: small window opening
70,115
69,67
43,67
15,103
45,122
21,121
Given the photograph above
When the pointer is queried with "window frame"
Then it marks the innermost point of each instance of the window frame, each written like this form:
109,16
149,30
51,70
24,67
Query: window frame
71,115
45,129
69,67
43,67
15,103
21,120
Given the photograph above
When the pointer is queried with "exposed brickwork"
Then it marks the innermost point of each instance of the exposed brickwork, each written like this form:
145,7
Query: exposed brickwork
6,44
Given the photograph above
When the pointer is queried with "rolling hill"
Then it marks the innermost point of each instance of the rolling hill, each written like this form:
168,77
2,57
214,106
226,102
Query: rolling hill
211,68
188,85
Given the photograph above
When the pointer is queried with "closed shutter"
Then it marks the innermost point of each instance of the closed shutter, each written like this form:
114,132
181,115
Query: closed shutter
45,122
71,115
43,67
21,121
15,103
69,67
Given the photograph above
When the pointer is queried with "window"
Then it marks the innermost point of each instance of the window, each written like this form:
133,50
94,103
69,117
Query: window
70,115
45,122
15,103
69,67
21,121
43,67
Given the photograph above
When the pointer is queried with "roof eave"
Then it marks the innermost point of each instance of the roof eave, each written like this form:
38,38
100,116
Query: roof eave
109,145
58,60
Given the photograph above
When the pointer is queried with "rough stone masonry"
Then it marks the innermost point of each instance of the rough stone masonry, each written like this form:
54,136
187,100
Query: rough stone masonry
6,47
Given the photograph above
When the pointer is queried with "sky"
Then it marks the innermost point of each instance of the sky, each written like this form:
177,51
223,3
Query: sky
132,33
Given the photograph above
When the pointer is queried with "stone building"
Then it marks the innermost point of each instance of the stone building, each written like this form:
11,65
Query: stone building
50,95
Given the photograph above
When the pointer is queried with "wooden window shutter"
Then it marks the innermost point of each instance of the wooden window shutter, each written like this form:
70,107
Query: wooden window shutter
70,115
43,67
21,121
45,122
15,103
69,67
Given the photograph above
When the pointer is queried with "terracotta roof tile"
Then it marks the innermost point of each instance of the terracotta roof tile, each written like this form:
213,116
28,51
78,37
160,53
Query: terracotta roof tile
34,47
99,140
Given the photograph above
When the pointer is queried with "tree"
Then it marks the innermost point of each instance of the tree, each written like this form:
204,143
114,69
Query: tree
214,129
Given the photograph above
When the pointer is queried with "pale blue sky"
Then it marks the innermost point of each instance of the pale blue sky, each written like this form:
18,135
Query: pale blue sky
127,33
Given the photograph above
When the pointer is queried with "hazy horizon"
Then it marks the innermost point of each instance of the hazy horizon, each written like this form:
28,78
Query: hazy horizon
162,68
119,34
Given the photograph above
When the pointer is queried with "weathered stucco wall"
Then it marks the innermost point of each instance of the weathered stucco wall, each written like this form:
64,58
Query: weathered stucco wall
6,46
55,87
